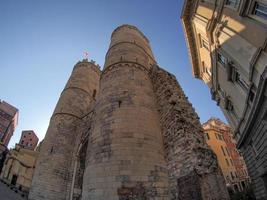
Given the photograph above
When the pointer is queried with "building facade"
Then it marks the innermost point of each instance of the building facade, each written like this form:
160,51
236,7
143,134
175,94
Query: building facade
18,167
28,139
227,42
126,132
219,137
3,153
8,121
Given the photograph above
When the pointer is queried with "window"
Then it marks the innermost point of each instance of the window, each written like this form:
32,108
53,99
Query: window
232,175
264,178
232,3
260,10
207,137
22,141
251,95
264,117
231,162
241,81
208,71
228,105
223,152
205,43
220,137
234,75
208,1
221,91
254,149
227,162
221,59
227,152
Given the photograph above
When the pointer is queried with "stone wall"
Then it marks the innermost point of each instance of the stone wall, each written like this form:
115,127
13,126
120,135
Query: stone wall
194,172
254,148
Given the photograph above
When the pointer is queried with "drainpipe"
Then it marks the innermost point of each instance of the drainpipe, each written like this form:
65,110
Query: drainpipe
73,177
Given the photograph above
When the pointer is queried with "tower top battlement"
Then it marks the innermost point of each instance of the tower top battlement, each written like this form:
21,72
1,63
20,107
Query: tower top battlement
129,27
129,44
87,63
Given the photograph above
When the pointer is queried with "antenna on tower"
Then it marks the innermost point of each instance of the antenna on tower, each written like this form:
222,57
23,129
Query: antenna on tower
85,55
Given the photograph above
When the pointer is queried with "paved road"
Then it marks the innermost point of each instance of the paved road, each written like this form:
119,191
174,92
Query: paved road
7,194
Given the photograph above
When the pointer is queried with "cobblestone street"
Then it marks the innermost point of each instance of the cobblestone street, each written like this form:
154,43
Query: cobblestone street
7,194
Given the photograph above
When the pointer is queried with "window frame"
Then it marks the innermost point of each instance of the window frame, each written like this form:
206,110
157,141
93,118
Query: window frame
220,137
241,82
205,43
235,76
234,6
248,9
254,9
254,150
207,137
208,71
208,1
222,59
227,151
231,161
229,105
223,150
227,162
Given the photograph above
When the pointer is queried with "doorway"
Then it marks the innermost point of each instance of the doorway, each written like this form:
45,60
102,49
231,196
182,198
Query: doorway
14,179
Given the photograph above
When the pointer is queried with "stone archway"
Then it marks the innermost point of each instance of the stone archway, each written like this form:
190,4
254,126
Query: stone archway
79,171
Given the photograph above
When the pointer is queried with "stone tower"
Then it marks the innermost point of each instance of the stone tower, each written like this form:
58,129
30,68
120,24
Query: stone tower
138,139
125,158
53,173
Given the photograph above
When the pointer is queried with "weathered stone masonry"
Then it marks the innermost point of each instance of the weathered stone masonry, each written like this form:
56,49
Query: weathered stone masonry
192,165
125,133
53,175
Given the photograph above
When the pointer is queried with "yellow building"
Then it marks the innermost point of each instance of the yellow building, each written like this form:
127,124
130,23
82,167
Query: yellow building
18,167
218,136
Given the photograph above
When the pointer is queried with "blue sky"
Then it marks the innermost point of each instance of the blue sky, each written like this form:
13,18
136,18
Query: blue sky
40,42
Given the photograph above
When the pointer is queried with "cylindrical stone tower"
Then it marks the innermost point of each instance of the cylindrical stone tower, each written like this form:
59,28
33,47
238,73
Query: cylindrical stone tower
125,158
53,173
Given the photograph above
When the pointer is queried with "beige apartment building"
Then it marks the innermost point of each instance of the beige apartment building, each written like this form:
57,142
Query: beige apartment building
19,167
227,42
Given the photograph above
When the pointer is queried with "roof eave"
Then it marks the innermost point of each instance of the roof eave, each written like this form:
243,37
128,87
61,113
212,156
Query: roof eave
189,36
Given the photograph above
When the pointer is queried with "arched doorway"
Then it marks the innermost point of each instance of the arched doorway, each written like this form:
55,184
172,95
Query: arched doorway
79,171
